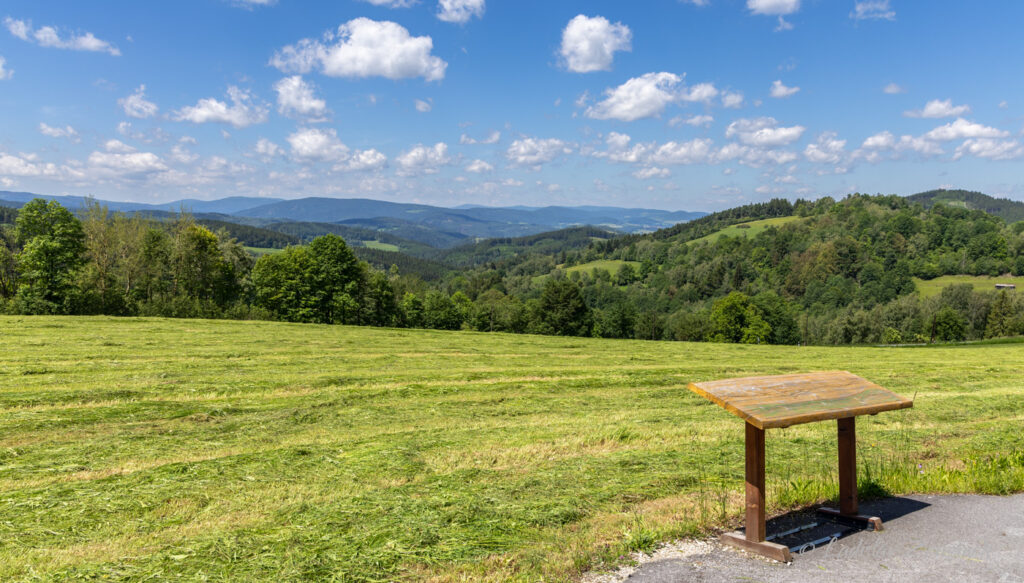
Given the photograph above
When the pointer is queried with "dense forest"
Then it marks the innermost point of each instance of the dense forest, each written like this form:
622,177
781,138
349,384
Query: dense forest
821,272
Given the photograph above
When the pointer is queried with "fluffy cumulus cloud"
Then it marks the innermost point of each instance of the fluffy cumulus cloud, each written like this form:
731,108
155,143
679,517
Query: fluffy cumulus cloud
651,172
242,112
697,121
698,151
780,91
460,11
364,48
296,97
24,166
64,132
312,145
873,147
828,149
120,159
317,145
479,167
872,10
963,129
990,148
590,43
535,152
939,109
640,97
763,132
492,138
136,105
422,159
893,89
5,73
48,36
773,7
732,100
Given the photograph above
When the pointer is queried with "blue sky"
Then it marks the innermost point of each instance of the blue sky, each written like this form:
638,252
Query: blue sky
676,104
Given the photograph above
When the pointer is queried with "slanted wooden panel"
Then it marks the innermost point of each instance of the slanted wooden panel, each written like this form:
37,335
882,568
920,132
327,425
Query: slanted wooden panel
780,401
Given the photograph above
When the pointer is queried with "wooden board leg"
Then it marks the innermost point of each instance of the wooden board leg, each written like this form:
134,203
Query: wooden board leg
847,466
755,484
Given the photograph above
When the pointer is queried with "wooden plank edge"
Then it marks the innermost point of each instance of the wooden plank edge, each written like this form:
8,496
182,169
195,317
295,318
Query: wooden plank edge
815,417
748,418
873,522
773,551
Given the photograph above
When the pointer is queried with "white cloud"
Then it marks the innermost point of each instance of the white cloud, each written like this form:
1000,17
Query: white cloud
267,149
989,148
534,151
5,73
872,10
640,97
11,165
492,138
136,105
314,144
652,172
589,44
364,48
65,132
773,7
460,11
129,163
939,109
702,92
423,106
479,167
296,97
893,89
829,149
880,141
963,129
619,149
422,159
763,132
732,99
364,160
118,147
780,91
886,141
48,36
697,121
242,112
696,151
250,3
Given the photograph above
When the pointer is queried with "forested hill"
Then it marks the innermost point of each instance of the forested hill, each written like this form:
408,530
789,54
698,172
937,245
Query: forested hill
1009,210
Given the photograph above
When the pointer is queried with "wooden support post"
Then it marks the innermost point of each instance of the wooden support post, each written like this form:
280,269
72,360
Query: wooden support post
754,538
847,431
847,466
755,484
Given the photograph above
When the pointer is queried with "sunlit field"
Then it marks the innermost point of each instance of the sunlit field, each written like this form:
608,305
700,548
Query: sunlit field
148,449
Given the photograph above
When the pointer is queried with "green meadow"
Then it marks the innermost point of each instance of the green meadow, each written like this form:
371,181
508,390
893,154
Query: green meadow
152,450
750,229
981,283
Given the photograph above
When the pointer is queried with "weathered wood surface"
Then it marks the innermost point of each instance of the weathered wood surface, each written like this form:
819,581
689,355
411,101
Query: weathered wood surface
780,401
755,484
768,549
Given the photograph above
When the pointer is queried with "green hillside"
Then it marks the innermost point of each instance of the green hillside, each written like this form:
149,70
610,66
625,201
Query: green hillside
1009,210
148,449
979,283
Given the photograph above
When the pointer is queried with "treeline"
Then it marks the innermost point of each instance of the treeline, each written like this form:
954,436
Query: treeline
839,272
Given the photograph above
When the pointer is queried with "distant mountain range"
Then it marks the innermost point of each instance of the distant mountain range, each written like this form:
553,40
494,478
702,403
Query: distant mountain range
436,226
1010,211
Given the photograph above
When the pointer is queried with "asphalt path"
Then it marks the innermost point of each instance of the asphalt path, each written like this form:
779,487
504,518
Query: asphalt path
925,538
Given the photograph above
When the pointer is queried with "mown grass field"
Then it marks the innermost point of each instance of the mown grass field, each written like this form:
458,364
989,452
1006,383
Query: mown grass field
751,229
154,450
933,287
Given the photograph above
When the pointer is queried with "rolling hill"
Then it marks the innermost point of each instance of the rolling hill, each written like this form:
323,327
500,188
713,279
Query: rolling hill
1010,211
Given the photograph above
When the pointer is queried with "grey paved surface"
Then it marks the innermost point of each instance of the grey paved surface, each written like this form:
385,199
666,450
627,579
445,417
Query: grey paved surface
926,538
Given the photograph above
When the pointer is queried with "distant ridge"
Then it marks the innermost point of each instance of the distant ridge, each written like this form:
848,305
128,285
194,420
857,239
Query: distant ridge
1010,211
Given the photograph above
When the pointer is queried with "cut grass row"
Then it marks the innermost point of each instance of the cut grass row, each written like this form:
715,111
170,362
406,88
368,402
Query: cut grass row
147,449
